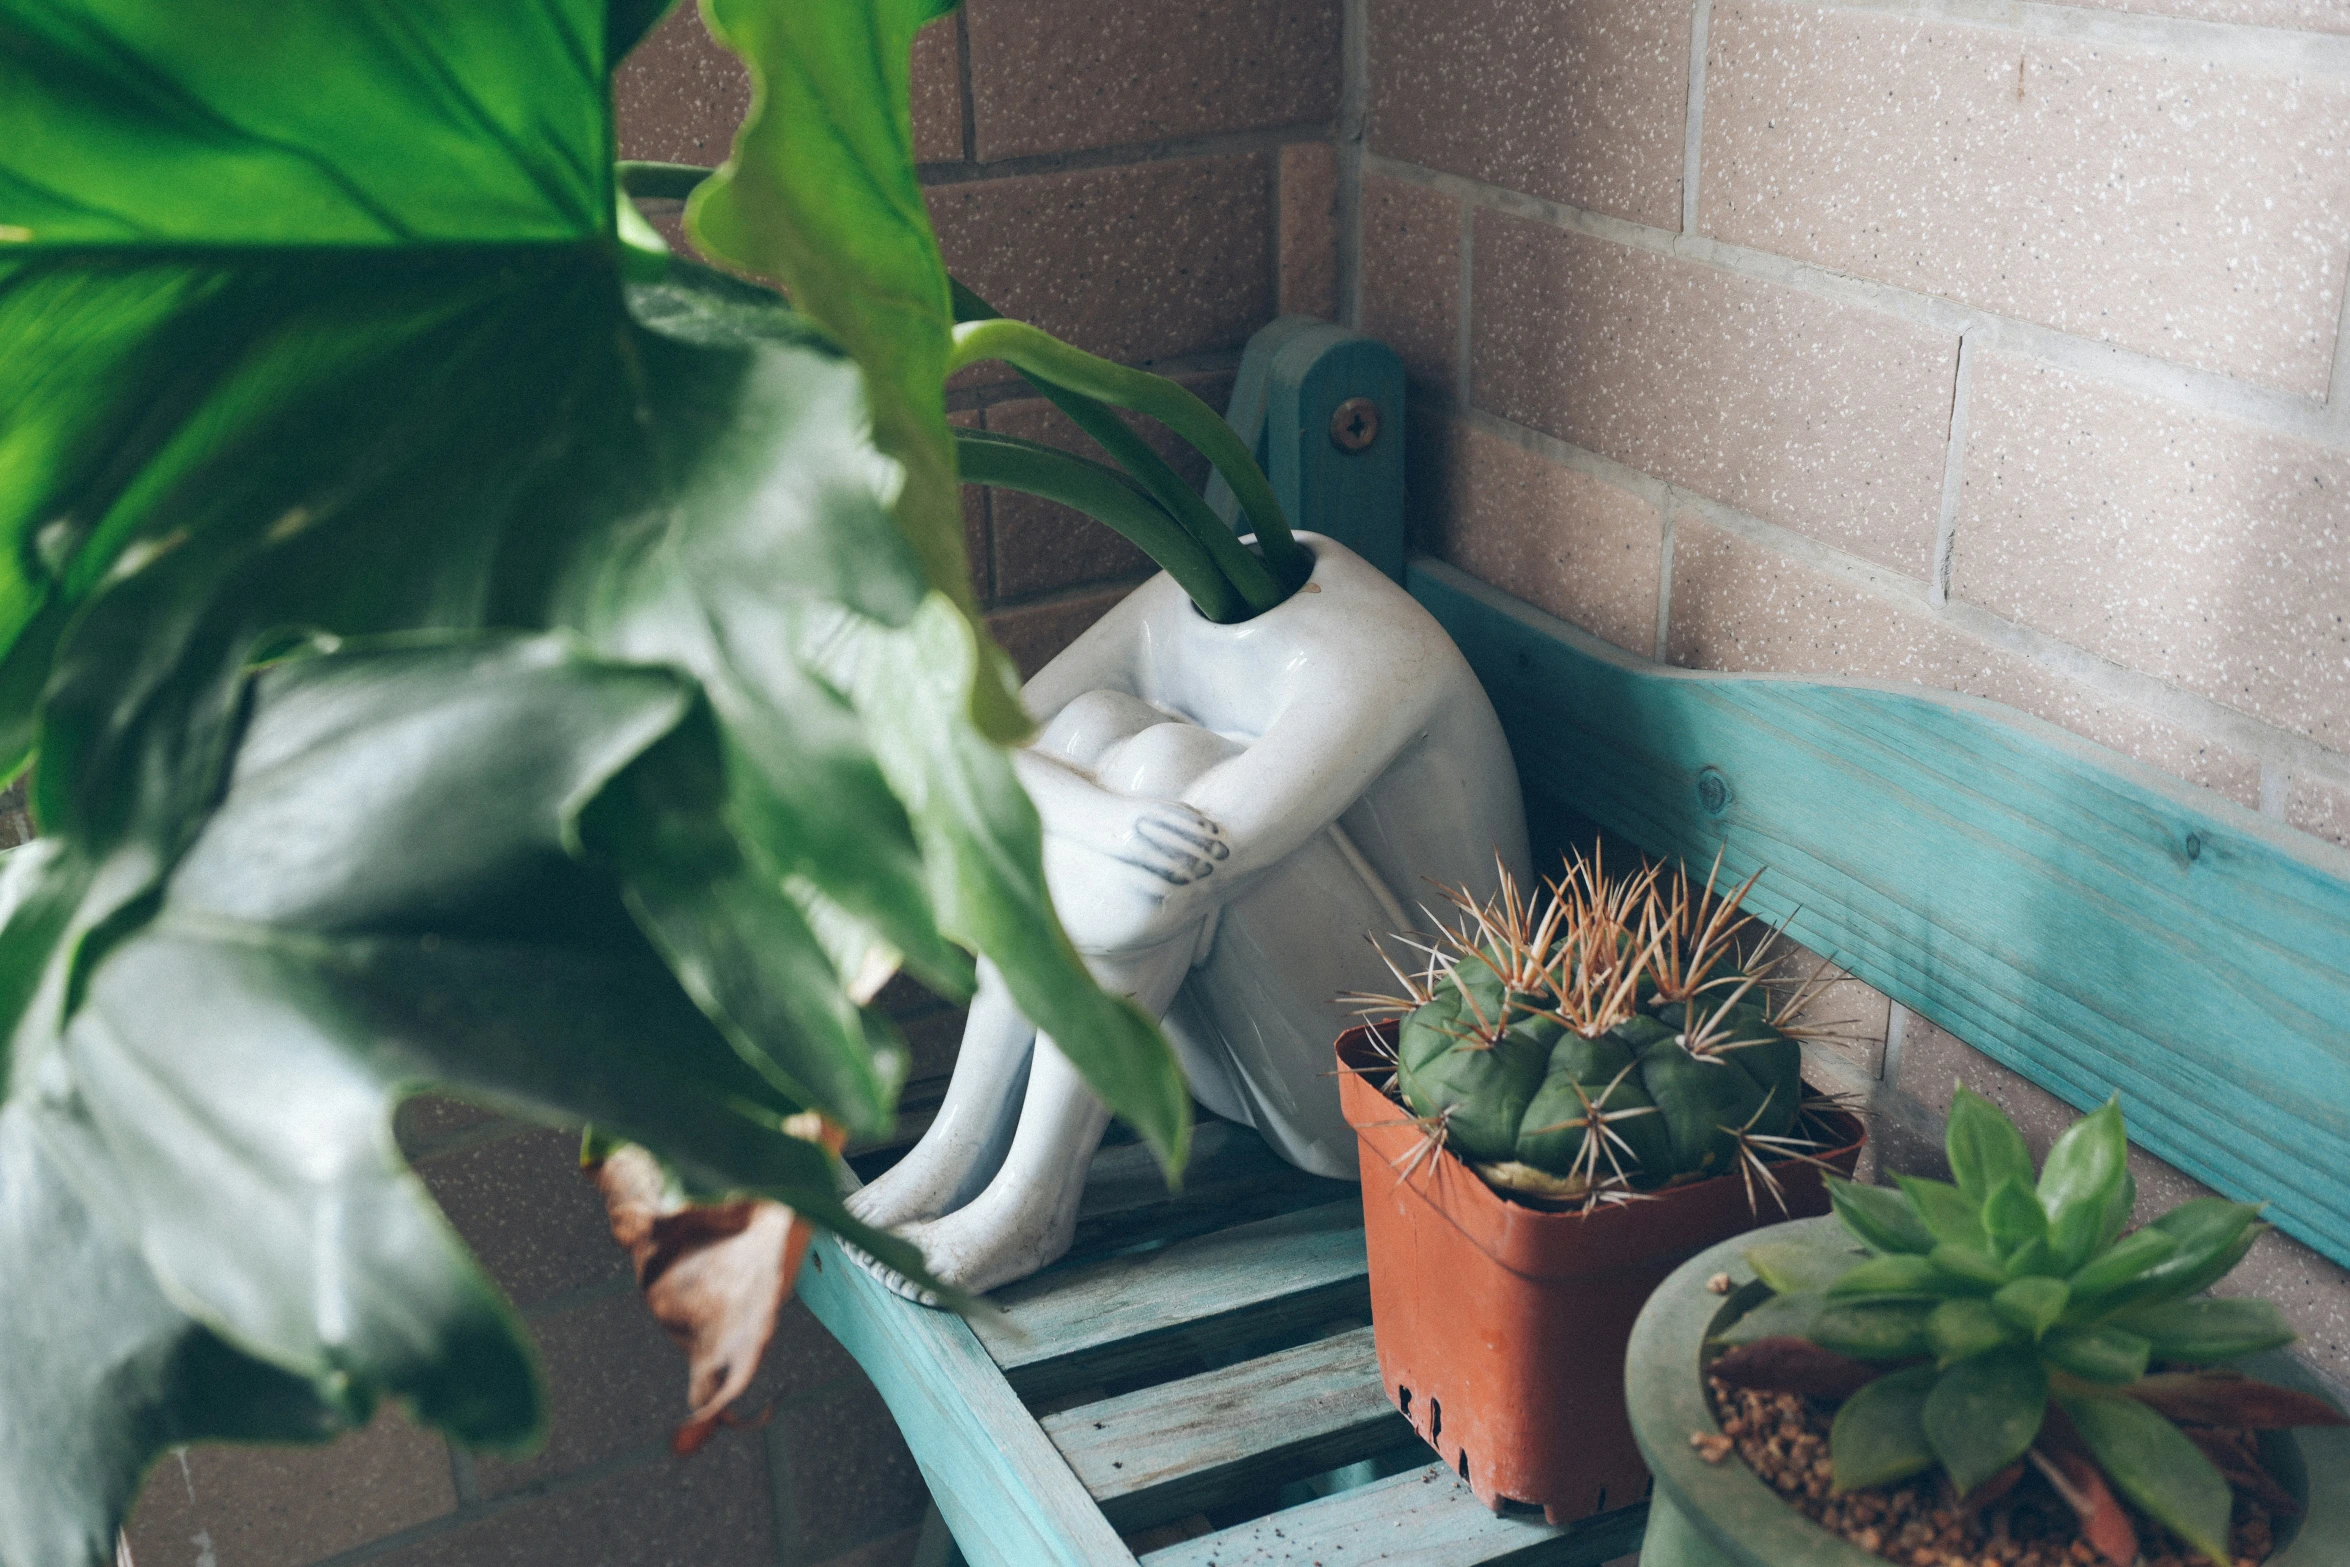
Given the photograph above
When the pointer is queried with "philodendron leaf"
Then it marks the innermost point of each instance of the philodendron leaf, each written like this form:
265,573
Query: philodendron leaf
1984,1412
1880,1432
2207,1330
1884,1220
1984,1147
104,1371
2079,1182
820,194
2157,1468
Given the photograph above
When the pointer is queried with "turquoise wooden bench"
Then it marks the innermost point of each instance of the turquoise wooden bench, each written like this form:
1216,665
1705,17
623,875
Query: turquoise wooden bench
2085,921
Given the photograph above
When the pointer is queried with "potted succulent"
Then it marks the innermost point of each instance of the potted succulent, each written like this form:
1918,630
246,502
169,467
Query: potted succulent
1992,1365
1574,1095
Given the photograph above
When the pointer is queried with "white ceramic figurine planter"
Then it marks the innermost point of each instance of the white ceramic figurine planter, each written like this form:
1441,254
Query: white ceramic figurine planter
1230,813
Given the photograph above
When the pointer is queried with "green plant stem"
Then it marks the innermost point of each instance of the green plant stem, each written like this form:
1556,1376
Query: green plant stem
1007,462
1045,358
659,181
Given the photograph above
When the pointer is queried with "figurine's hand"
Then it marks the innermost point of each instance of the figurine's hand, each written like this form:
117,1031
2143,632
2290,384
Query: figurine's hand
1140,884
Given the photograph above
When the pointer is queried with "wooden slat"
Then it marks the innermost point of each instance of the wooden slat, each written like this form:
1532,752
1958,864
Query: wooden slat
1004,1489
1123,1315
1426,1518
1186,1445
2081,919
1233,1178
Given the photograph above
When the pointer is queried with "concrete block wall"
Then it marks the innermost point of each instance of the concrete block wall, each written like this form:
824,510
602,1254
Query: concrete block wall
1987,344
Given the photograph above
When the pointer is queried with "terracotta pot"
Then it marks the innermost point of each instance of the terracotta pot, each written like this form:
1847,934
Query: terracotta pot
1501,1328
1722,1515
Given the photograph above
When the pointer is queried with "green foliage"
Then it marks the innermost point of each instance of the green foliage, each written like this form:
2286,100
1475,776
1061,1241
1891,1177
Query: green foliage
461,646
1607,1044
1996,1295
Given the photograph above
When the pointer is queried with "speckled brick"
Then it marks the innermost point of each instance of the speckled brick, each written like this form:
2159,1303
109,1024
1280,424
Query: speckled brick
2207,553
2184,208
1308,260
2320,806
1058,75
1135,263
1411,278
1582,103
288,1506
534,1221
845,1471
679,97
614,1383
893,1550
712,1510
2313,1293
2316,16
429,1122
938,93
1578,546
1033,633
1826,418
1041,547
1737,604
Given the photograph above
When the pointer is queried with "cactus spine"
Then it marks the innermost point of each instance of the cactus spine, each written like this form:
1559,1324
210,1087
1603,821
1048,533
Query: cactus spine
1608,1042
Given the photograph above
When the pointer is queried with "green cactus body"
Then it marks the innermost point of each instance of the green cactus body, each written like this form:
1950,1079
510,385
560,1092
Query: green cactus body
1517,1091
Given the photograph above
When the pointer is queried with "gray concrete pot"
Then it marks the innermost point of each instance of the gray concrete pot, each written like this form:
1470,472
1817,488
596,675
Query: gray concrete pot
1721,1515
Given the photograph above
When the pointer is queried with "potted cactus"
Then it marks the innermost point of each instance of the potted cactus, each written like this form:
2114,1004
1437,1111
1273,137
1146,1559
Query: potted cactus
1994,1364
1571,1096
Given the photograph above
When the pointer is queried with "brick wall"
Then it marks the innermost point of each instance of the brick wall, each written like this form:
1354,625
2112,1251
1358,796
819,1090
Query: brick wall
1992,346
1153,183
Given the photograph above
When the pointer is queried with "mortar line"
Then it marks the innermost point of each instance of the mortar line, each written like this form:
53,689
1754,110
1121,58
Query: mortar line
1953,476
2275,787
1464,334
1664,581
1354,56
1080,159
2338,382
2149,694
963,66
1701,15
2221,43
2109,364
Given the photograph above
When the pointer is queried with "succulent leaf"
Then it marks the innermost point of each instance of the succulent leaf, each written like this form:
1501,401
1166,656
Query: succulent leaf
1970,1263
1984,1412
2013,1222
1880,1433
1984,1147
1781,1316
2079,1181
2158,1468
1964,1328
1900,1274
2207,1330
2122,1263
2032,1304
1945,1211
1873,1329
2103,1353
1885,1221
1791,1268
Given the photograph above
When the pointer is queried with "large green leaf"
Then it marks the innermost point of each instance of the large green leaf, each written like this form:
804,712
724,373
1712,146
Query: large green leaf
820,194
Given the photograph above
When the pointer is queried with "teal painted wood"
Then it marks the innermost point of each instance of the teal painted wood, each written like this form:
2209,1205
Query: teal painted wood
1123,1315
2082,919
1293,378
1232,1178
1004,1489
1424,1518
1183,1446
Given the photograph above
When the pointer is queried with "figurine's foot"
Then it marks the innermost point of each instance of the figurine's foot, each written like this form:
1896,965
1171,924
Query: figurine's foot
909,1192
891,1279
989,1242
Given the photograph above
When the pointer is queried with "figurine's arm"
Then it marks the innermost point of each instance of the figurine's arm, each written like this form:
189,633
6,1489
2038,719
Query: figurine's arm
1125,870
1343,723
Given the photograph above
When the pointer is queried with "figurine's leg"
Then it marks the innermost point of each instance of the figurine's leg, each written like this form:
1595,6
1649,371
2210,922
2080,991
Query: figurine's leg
961,1149
1027,1216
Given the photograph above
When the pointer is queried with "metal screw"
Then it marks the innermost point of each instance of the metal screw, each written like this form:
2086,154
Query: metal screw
1354,424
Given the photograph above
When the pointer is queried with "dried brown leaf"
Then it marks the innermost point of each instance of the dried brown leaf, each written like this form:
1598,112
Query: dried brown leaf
1794,1365
2229,1398
2060,1454
713,1274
